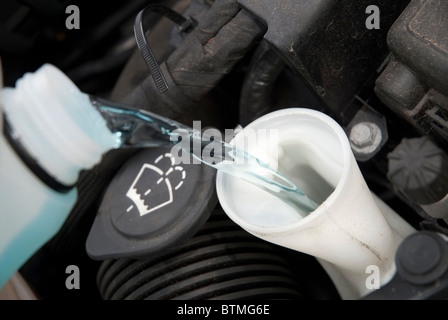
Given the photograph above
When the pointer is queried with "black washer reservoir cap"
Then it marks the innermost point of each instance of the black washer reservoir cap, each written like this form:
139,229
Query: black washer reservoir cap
152,205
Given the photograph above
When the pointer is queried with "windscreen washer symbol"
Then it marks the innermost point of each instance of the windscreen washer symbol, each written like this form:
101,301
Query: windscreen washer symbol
163,181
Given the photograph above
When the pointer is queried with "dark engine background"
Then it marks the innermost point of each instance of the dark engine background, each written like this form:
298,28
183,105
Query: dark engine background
289,53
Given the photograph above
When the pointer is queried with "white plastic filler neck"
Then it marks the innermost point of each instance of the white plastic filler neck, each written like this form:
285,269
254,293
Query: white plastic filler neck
350,230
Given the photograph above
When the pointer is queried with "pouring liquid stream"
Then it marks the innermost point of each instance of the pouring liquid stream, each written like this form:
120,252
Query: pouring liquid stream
136,128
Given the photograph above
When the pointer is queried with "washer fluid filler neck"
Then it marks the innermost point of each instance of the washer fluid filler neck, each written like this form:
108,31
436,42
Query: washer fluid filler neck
351,230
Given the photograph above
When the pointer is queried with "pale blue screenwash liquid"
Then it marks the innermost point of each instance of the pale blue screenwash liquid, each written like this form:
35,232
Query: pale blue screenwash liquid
136,128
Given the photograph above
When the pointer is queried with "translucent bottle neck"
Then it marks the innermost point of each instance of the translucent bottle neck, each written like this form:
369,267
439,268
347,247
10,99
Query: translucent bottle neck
56,123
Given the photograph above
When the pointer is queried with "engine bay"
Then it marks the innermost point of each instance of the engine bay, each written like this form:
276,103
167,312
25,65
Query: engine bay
378,69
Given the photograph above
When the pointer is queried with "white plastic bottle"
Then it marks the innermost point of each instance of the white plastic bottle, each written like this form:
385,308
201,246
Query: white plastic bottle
49,133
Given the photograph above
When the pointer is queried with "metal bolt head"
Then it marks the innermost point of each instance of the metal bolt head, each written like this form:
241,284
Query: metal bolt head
365,137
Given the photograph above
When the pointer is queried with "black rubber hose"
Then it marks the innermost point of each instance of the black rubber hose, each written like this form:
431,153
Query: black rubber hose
209,52
220,40
221,262
256,95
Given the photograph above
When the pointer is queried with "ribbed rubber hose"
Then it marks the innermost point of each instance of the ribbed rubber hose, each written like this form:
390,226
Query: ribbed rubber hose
220,262
220,40
213,48
256,95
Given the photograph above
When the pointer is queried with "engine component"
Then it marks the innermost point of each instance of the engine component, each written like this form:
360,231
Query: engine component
203,59
221,262
422,260
367,132
415,83
264,70
419,169
332,52
241,60
184,24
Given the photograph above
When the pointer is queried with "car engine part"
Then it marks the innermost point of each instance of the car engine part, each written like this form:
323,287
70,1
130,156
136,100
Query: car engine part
229,63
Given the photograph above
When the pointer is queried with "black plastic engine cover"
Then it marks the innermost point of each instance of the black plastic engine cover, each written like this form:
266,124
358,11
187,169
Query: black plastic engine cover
327,42
415,83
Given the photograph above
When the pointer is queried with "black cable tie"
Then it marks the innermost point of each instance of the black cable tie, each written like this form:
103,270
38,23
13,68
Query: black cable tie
143,45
